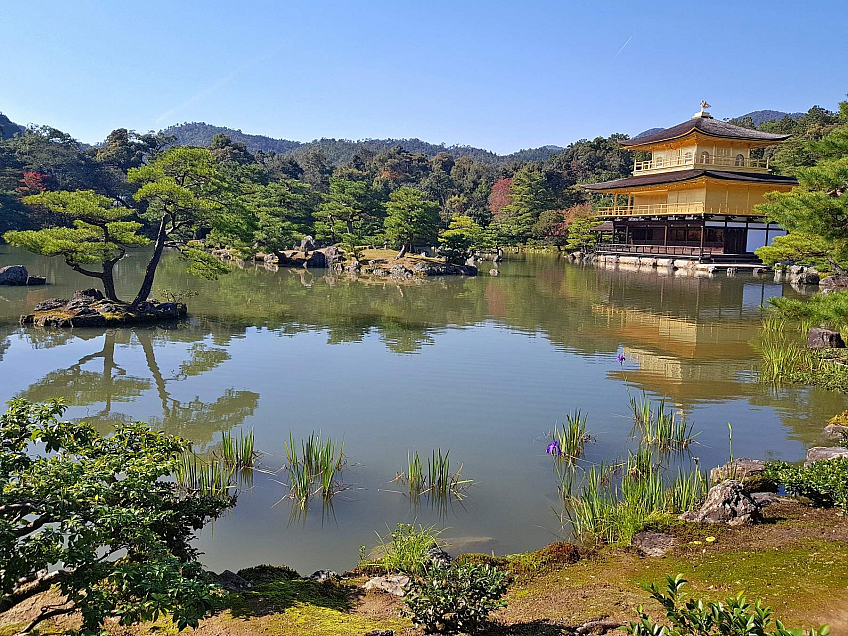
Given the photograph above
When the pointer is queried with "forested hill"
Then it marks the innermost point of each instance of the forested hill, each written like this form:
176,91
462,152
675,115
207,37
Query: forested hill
8,128
762,116
341,151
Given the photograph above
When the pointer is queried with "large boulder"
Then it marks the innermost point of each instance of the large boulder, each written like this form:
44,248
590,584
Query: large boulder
739,469
824,453
231,581
35,281
727,502
307,244
316,260
89,295
819,338
13,275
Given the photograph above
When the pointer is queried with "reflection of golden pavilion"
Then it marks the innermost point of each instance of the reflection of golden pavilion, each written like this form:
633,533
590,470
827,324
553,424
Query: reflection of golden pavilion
695,196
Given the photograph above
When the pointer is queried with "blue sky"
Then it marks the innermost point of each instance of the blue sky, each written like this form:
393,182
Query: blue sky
500,75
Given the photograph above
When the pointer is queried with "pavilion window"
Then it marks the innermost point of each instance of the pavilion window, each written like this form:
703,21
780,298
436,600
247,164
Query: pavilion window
705,157
687,158
740,159
658,162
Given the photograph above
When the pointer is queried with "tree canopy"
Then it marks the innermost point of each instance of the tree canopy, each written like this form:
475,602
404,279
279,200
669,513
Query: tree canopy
97,517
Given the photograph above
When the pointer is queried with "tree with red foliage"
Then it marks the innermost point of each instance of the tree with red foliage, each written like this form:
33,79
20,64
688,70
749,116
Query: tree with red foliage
499,198
34,182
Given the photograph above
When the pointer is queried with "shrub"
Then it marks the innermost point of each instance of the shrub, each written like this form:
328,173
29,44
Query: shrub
455,598
736,616
825,483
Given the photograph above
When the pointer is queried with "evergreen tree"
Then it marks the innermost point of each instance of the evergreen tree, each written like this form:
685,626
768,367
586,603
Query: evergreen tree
410,217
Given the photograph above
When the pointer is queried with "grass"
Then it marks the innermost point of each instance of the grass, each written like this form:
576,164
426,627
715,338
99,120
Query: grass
238,452
785,358
661,428
438,481
406,549
313,467
195,476
571,437
615,502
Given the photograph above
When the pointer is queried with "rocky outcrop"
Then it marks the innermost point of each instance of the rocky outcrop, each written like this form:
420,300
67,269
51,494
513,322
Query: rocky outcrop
405,268
231,581
819,338
833,283
13,275
323,575
824,453
88,308
727,502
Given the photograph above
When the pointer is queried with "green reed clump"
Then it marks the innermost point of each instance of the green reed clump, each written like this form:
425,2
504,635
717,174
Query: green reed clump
614,503
238,452
314,466
570,438
194,476
438,480
407,548
661,428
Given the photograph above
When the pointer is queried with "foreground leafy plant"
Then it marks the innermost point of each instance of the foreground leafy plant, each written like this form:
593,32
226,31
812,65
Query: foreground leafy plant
825,483
735,617
99,513
455,598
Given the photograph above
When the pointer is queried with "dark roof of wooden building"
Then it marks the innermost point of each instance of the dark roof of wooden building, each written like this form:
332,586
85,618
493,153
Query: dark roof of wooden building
706,126
688,175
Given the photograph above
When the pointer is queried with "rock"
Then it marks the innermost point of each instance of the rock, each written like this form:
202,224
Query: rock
823,453
399,271
727,502
819,338
353,265
393,584
35,281
738,469
597,628
172,310
810,277
88,295
654,544
316,260
494,272
380,632
830,283
332,253
50,304
13,275
837,431
439,556
757,271
323,575
763,499
269,258
307,244
231,581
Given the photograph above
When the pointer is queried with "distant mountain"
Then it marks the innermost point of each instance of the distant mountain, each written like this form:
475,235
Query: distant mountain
650,131
762,116
340,151
8,128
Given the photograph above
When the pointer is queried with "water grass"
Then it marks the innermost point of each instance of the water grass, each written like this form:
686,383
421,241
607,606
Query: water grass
569,439
614,502
438,481
406,549
194,476
238,452
314,467
660,427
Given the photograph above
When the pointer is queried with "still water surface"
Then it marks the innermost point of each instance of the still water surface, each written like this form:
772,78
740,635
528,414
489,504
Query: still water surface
481,366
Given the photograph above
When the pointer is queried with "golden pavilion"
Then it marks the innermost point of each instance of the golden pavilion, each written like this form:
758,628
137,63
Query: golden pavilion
695,197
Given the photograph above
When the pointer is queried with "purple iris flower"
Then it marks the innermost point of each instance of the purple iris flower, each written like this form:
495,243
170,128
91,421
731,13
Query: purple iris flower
553,448
620,358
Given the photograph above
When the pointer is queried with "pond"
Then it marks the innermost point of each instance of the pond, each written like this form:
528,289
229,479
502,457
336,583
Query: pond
483,367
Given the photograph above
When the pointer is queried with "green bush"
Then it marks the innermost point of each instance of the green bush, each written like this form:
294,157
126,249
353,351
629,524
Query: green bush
735,617
408,549
825,483
455,598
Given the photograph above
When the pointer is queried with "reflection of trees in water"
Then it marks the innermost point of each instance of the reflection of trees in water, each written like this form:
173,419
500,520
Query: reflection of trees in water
81,385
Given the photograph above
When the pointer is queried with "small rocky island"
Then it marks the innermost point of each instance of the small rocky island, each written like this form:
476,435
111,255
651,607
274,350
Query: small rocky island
89,308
